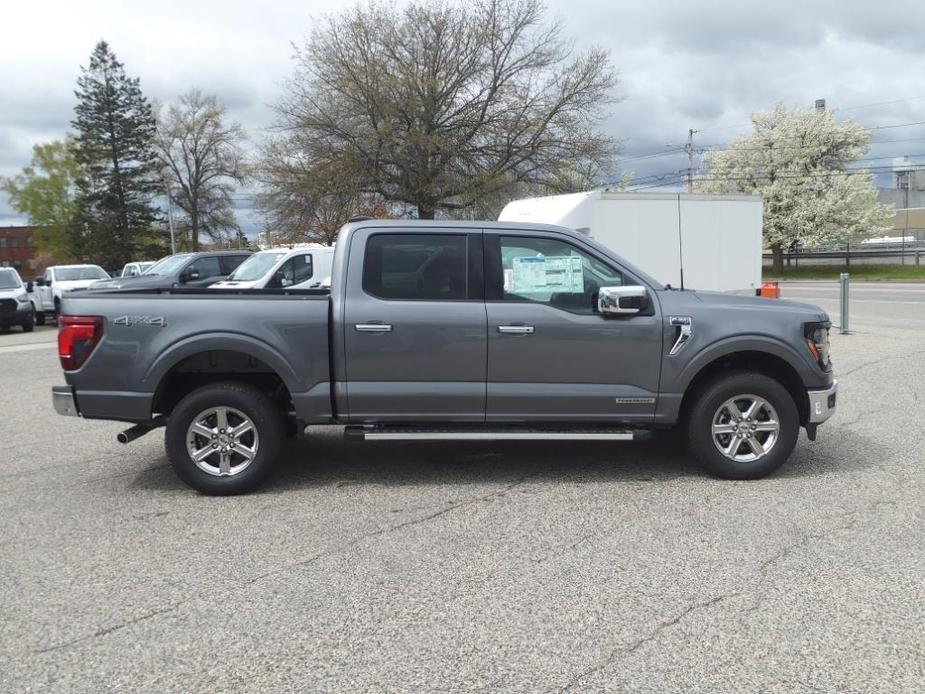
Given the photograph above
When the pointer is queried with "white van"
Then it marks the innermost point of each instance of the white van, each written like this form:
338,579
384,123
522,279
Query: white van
300,267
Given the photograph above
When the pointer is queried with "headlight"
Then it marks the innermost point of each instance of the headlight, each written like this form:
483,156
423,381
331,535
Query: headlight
23,298
817,342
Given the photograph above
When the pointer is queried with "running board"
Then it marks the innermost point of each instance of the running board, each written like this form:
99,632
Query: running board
422,434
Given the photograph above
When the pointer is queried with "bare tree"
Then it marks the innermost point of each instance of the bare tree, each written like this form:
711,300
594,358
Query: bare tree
203,162
438,105
305,202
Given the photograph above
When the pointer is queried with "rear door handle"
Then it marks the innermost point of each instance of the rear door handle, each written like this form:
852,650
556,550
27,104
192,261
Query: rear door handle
516,329
373,328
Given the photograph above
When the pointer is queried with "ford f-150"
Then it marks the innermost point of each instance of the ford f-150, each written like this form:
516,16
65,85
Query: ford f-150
449,331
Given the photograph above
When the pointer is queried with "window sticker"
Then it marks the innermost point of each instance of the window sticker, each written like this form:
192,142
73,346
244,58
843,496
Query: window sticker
547,274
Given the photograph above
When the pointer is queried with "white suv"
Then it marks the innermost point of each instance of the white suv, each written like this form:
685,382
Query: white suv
15,307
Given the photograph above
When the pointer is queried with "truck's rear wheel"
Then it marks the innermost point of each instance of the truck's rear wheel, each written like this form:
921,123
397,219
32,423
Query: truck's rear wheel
224,438
743,426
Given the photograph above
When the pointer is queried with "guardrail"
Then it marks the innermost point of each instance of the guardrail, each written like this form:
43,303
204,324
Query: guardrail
914,255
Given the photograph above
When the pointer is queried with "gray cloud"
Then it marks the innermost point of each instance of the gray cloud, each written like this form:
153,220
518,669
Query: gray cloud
704,65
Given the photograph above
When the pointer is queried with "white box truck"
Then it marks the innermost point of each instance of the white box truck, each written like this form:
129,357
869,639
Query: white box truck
709,242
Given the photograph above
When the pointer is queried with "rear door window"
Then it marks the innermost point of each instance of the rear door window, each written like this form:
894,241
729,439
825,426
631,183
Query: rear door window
422,267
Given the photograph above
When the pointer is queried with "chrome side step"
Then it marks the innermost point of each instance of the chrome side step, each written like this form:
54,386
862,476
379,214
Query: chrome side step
422,434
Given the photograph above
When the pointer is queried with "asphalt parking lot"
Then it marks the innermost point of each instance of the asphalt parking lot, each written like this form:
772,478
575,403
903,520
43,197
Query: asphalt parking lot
475,567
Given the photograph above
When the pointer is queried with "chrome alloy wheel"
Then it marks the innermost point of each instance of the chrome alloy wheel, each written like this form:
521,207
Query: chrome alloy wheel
745,428
222,441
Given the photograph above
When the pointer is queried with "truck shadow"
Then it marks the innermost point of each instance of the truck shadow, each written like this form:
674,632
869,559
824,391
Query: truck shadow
326,459
330,460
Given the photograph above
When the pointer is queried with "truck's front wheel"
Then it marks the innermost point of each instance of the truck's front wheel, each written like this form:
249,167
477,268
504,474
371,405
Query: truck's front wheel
224,438
743,426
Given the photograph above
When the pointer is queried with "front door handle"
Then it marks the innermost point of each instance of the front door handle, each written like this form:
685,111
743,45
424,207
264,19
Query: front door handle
516,329
373,328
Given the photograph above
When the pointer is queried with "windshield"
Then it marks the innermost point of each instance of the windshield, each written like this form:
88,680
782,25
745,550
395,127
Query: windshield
168,265
69,274
255,267
9,280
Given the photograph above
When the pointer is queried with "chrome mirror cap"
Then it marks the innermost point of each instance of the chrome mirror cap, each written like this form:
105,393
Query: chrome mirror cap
622,301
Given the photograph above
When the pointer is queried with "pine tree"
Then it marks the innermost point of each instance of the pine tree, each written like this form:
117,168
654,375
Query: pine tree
115,144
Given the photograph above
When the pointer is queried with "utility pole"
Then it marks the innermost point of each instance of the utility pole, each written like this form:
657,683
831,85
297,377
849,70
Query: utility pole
689,148
173,241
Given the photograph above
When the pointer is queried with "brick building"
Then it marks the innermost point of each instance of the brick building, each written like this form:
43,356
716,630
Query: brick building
17,248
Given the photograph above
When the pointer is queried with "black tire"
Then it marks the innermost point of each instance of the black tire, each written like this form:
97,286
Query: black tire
247,400
706,407
29,325
57,309
39,316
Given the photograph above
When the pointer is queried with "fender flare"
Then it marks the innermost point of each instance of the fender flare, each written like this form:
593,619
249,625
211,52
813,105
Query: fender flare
743,343
226,342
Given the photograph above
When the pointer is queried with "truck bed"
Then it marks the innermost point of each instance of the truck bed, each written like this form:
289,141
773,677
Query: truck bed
149,334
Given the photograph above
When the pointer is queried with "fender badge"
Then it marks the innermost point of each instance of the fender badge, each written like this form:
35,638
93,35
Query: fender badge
132,321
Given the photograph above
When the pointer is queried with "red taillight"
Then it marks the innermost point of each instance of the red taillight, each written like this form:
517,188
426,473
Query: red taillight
77,337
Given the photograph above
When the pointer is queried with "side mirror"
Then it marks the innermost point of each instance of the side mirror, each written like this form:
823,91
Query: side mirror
622,301
189,275
29,287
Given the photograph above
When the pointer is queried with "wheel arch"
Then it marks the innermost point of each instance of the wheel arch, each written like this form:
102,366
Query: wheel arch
199,361
766,362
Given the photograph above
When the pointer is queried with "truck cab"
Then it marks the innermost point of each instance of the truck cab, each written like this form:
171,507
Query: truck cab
136,268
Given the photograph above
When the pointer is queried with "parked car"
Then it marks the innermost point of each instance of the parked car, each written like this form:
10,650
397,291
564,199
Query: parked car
136,268
282,268
15,306
450,331
183,269
46,291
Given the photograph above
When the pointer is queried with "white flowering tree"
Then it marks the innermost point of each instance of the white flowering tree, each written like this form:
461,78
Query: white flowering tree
799,162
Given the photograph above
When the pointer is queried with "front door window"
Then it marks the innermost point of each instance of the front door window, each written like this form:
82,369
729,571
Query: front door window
553,272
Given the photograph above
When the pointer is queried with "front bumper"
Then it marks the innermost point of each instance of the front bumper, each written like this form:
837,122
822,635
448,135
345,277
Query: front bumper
15,316
822,403
62,397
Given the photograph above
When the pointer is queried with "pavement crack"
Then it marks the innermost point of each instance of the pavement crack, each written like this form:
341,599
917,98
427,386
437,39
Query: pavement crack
876,362
653,635
395,528
108,630
764,569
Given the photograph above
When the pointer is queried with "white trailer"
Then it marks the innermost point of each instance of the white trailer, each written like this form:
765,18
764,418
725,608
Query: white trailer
710,242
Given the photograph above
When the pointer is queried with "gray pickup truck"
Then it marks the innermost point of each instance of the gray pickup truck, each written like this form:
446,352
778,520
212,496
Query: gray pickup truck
449,331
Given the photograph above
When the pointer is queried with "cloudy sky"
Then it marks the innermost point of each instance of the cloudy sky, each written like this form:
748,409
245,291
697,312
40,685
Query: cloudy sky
704,65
